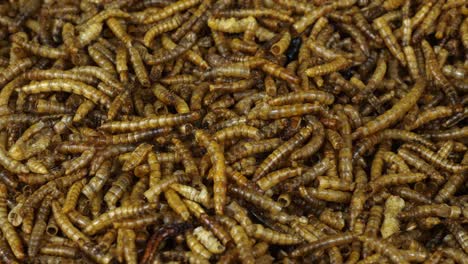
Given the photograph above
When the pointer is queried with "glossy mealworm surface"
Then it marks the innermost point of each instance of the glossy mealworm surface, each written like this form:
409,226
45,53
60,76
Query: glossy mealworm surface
223,131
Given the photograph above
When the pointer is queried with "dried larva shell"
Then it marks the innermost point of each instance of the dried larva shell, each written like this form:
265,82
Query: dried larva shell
36,166
260,232
278,176
219,168
284,150
9,232
118,189
72,196
439,210
118,213
394,113
167,120
71,86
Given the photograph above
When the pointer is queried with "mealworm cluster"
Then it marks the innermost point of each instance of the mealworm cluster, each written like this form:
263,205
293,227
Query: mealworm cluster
233,131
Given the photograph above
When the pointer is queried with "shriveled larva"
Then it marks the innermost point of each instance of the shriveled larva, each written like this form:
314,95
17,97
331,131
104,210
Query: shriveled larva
390,224
190,55
334,138
412,159
42,51
106,219
463,31
216,227
232,86
179,79
195,246
70,86
36,74
170,98
437,74
59,250
76,218
79,162
438,210
434,158
187,160
427,22
396,134
383,248
117,190
337,64
208,240
382,26
186,256
167,120
310,174
141,222
282,151
395,179
323,243
84,108
193,194
139,67
394,160
100,74
219,168
162,27
257,199
260,232
97,182
429,115
327,182
27,134
453,183
119,31
184,45
272,179
303,97
65,225
394,114
332,219
170,10
127,138
164,184
155,169
320,50
237,70
237,131
280,47
9,232
194,208
137,156
264,12
266,112
376,78
243,244
11,164
454,254
330,195
300,25
314,144
5,253
231,25
174,201
72,196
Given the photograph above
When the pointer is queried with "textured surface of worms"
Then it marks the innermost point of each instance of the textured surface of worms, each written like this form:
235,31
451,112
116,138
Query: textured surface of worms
233,131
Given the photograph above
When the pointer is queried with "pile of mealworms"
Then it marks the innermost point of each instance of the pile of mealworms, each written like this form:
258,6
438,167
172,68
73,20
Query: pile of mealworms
233,131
